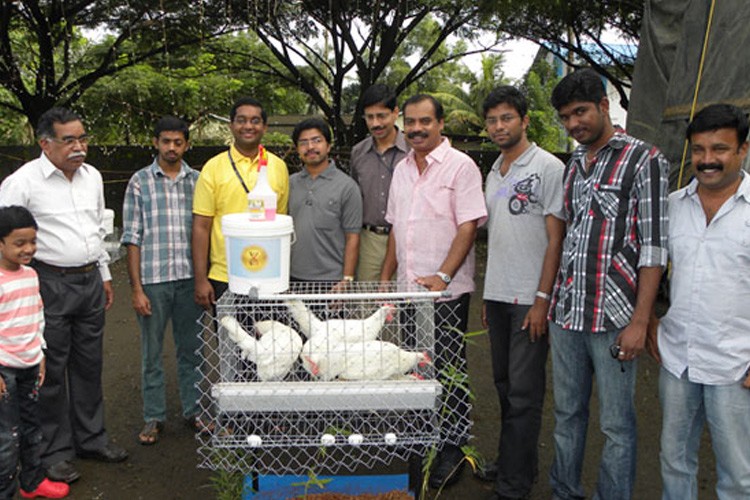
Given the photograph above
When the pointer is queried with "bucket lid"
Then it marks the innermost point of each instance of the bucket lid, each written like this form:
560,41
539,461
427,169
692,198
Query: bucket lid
241,222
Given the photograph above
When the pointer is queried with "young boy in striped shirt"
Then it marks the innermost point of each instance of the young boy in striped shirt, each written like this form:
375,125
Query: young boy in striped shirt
21,360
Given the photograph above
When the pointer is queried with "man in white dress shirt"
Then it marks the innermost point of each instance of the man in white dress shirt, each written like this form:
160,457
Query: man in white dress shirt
703,340
66,197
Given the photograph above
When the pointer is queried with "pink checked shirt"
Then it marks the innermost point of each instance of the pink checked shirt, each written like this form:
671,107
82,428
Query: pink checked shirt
426,210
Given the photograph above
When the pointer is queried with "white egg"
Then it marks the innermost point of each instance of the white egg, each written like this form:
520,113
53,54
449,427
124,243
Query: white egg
254,440
356,439
327,439
390,438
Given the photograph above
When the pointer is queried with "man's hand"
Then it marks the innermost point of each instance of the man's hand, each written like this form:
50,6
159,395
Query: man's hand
652,340
109,295
535,321
433,283
141,304
632,341
746,383
42,372
204,294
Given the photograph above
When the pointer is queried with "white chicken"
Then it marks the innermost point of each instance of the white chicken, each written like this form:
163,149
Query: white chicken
340,330
370,360
274,353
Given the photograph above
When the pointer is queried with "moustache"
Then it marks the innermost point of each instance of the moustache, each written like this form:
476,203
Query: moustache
701,167
412,135
76,154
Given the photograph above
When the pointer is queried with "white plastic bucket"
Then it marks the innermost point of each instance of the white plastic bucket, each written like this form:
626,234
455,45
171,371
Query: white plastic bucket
258,253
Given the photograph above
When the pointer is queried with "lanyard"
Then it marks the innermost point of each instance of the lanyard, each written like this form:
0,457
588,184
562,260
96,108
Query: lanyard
262,162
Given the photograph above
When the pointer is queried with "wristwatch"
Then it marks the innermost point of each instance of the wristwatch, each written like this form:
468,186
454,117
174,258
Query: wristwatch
446,278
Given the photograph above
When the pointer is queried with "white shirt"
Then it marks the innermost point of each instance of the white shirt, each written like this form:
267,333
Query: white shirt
69,213
707,327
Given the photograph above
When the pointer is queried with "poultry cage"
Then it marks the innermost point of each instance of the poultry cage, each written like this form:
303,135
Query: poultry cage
327,381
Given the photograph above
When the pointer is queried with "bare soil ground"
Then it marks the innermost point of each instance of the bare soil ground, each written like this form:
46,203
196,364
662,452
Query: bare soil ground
168,470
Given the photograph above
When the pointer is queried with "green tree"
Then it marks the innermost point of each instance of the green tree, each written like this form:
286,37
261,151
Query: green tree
573,29
544,127
324,46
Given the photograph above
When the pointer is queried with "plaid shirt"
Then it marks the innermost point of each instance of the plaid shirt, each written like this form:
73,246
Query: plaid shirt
616,223
157,217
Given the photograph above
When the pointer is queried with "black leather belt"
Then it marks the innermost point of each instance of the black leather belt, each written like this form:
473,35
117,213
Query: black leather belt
86,268
378,229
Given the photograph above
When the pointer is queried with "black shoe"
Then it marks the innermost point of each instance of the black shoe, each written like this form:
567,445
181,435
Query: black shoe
63,471
447,471
487,473
110,452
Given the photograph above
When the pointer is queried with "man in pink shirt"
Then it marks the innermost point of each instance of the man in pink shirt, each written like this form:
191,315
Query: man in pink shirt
435,205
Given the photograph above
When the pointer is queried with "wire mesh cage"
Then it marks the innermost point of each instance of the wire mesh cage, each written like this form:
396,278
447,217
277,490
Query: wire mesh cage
326,379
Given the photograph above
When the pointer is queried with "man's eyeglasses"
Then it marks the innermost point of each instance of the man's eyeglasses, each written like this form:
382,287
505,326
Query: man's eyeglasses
83,140
376,116
311,141
505,119
241,120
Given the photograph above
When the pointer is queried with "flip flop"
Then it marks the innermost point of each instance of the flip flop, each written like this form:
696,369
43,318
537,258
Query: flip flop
199,425
150,433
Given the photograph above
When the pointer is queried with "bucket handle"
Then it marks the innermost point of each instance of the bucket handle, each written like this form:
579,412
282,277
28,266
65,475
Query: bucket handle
293,239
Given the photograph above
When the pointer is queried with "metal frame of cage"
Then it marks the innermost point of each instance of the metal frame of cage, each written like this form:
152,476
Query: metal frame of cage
295,425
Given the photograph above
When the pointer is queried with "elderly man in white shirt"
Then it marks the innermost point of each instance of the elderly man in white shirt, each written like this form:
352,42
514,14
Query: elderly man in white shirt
704,340
66,197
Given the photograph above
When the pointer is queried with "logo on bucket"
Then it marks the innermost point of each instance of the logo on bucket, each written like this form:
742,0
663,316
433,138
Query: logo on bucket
254,258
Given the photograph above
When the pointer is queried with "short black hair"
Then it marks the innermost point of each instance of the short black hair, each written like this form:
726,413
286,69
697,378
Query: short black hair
247,101
379,93
415,99
583,85
717,116
312,123
45,128
171,124
506,94
15,217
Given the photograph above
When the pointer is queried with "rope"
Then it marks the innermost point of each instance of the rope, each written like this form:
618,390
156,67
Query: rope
697,88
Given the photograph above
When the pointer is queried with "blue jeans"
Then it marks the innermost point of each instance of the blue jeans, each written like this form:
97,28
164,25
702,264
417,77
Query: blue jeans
20,431
171,300
686,406
576,358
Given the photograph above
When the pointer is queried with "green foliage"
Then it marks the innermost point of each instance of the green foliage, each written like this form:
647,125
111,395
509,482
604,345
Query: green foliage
544,127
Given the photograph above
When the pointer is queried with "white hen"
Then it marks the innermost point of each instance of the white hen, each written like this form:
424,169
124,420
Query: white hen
274,353
347,330
370,360
378,360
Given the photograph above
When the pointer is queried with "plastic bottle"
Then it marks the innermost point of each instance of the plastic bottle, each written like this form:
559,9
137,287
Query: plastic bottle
261,200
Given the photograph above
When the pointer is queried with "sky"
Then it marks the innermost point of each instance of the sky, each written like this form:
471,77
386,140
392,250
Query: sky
517,58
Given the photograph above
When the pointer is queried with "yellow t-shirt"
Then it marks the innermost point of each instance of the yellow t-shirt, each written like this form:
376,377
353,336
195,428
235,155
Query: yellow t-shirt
219,192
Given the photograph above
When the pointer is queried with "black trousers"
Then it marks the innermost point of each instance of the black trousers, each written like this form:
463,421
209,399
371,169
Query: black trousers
70,400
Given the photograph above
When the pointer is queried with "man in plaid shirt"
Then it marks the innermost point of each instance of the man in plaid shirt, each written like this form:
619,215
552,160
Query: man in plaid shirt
157,220
615,205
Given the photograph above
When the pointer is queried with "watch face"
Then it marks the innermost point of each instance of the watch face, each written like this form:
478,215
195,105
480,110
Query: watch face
446,279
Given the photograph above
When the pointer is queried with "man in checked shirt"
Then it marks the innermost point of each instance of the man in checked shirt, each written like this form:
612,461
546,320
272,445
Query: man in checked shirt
615,248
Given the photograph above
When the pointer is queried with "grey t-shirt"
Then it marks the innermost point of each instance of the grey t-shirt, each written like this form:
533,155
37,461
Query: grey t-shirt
517,237
324,209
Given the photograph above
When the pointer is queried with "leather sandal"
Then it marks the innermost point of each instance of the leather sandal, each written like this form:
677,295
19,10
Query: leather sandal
199,425
150,433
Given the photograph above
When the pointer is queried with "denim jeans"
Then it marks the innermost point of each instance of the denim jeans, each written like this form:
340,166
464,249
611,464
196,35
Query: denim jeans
171,300
518,368
576,358
686,406
20,431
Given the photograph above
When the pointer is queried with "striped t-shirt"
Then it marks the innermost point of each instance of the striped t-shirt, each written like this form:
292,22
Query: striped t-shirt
21,318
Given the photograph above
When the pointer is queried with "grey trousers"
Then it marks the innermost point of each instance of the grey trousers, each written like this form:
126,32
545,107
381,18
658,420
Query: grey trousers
518,368
70,400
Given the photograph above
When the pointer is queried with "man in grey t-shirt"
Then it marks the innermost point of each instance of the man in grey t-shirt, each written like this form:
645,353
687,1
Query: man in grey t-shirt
523,192
326,206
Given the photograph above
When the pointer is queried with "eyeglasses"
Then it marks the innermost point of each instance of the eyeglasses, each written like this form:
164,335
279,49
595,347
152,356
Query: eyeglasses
311,141
376,116
83,140
241,120
505,119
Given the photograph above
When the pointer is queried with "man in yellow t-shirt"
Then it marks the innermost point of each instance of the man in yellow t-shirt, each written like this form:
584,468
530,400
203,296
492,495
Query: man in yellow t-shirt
222,189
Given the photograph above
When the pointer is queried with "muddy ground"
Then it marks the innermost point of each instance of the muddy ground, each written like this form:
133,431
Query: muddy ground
168,469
